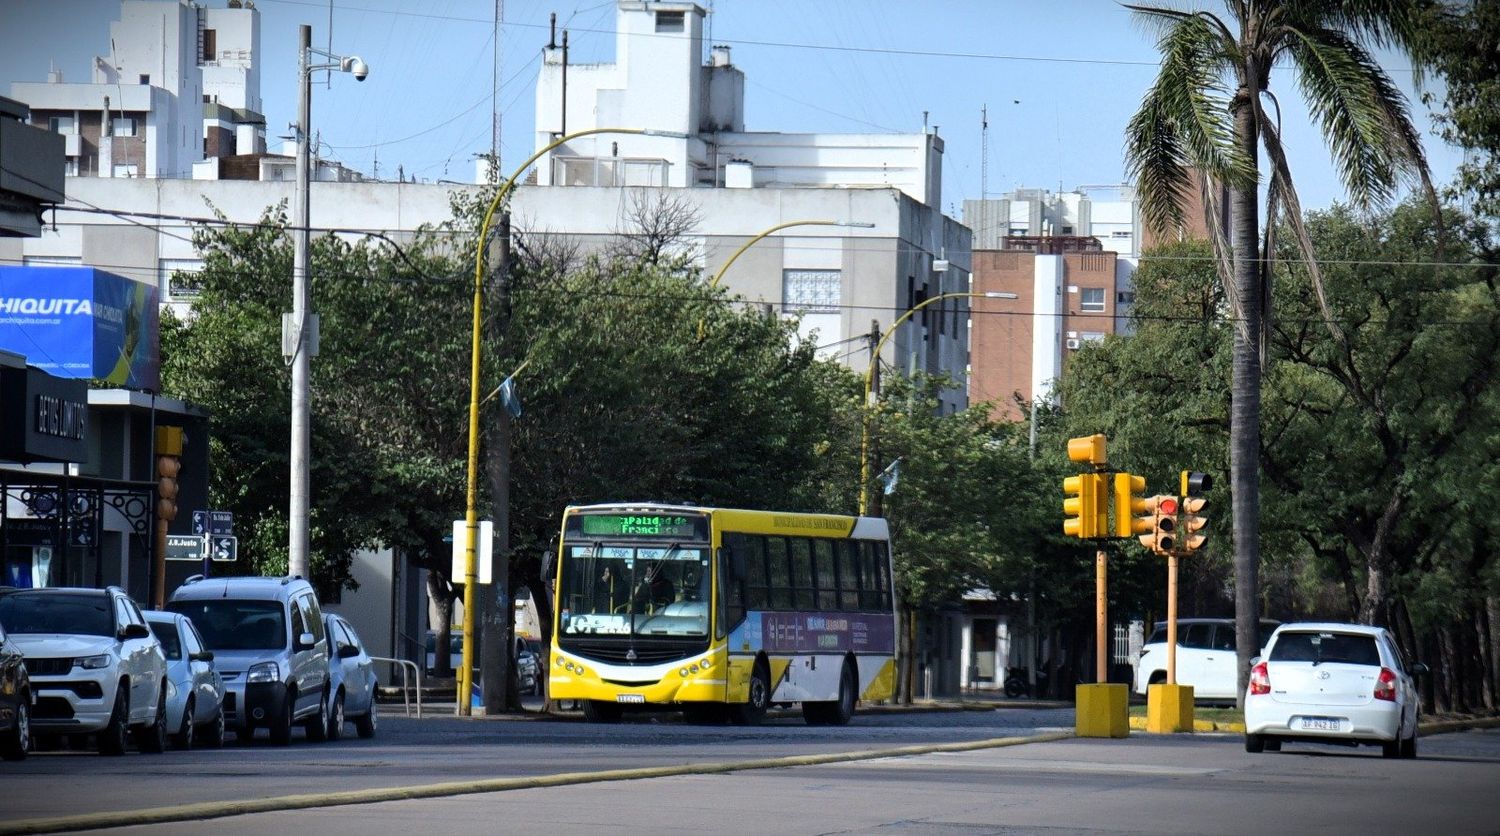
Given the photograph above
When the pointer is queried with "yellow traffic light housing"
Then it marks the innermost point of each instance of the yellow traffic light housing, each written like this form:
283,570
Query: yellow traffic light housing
1161,524
1188,536
1128,501
168,466
1089,448
1085,506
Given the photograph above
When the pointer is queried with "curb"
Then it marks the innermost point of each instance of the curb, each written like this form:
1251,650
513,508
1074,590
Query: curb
1139,724
222,809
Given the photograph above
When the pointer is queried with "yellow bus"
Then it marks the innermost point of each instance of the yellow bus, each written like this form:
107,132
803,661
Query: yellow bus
717,611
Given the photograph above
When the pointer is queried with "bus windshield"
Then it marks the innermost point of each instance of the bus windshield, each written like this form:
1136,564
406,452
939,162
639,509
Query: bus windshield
614,588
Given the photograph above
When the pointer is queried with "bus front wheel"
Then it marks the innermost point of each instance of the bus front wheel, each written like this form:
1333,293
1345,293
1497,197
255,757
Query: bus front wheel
597,711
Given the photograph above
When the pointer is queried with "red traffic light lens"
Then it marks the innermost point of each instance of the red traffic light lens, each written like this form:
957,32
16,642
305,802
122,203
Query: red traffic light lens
1168,506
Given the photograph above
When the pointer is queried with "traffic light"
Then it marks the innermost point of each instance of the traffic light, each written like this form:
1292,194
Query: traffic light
1089,448
1188,534
1128,503
1085,506
168,465
1195,483
1160,523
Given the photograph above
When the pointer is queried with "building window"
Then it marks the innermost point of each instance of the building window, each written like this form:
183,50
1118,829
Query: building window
70,166
1091,336
1067,230
811,291
51,260
1091,300
1120,233
145,78
1125,297
670,21
62,125
123,126
125,170
1018,230
210,44
179,277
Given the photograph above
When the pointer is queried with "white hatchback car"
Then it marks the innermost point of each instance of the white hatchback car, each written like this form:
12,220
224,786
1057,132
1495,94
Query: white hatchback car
1333,683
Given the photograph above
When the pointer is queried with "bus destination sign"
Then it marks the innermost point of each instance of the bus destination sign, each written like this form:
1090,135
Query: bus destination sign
640,525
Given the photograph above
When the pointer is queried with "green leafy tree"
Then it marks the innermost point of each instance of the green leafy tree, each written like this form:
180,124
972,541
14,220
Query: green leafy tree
1202,126
1462,43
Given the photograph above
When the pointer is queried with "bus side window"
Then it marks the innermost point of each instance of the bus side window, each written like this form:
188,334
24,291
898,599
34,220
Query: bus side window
846,551
869,583
778,573
827,581
757,587
802,572
883,572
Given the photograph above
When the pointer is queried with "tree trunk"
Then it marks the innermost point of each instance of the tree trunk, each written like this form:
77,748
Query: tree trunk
440,613
1492,657
1244,416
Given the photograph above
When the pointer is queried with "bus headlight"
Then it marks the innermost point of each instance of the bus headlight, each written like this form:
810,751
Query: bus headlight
706,664
682,672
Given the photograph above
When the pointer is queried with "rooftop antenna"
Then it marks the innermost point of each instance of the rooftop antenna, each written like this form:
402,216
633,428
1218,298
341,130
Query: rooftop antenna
495,91
984,172
328,77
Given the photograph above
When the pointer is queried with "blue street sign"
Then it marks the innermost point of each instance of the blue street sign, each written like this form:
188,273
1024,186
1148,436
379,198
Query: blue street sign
220,522
200,522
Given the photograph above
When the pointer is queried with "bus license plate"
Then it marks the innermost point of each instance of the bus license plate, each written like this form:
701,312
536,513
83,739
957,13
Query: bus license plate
1320,723
629,698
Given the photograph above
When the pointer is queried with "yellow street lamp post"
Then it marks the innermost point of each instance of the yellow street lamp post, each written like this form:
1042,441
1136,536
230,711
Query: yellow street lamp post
864,443
471,513
714,282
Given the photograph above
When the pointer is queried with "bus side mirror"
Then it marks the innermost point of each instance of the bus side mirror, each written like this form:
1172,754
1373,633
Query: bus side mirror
549,566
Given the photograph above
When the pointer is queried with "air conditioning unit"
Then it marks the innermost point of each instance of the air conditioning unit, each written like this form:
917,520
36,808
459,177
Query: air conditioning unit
1072,343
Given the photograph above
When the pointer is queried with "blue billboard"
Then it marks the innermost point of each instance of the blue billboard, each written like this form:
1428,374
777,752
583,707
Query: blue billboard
82,323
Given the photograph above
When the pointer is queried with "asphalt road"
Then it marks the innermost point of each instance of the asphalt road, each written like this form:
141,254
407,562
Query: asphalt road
444,748
1145,784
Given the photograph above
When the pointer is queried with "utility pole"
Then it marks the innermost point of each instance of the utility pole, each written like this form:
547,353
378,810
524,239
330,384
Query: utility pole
300,333
499,603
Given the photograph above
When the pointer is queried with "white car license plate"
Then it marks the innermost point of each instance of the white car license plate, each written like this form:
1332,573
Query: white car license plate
1320,723
629,698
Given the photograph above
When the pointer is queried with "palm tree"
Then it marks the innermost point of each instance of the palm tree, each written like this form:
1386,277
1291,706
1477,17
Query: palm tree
1201,127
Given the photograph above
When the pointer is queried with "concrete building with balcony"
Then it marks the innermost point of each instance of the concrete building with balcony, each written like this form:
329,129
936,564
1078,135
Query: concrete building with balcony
180,83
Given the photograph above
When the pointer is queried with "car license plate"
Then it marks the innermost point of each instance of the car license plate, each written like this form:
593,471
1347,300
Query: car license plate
629,698
1320,723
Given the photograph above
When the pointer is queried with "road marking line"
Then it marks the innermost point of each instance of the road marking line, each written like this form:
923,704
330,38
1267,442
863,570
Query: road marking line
221,809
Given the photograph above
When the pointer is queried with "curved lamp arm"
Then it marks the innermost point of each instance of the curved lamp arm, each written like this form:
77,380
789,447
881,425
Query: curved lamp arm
714,282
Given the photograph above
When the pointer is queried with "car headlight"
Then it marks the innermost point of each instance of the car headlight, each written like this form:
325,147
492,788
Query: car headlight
263,672
92,663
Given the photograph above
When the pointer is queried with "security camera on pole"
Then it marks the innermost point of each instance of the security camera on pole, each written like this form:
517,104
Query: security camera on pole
299,329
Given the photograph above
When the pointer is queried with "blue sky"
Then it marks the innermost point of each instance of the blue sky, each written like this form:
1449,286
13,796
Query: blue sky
1061,78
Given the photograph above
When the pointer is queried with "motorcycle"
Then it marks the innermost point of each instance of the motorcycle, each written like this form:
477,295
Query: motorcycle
1017,683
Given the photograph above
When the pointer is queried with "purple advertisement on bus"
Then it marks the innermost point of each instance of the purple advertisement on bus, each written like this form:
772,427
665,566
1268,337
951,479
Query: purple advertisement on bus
804,632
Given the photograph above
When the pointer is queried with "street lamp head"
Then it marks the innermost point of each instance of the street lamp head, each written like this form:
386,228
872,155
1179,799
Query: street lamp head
355,66
995,294
655,132
856,224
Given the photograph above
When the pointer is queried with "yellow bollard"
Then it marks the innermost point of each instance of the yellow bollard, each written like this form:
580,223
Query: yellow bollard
1169,708
1100,710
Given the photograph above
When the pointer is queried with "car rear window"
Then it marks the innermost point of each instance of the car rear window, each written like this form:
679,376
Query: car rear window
1320,647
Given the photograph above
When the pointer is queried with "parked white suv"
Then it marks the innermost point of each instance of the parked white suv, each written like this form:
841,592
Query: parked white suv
95,666
1205,657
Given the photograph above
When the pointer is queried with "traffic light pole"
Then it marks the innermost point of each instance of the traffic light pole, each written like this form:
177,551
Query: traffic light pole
1172,618
1101,616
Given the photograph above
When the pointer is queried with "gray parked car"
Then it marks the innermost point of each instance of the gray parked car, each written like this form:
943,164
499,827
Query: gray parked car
268,642
351,679
195,690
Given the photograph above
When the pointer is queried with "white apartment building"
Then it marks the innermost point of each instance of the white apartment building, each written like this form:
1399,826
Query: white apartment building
179,83
740,183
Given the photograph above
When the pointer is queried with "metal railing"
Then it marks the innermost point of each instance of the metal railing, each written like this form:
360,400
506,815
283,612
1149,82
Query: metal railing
404,665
